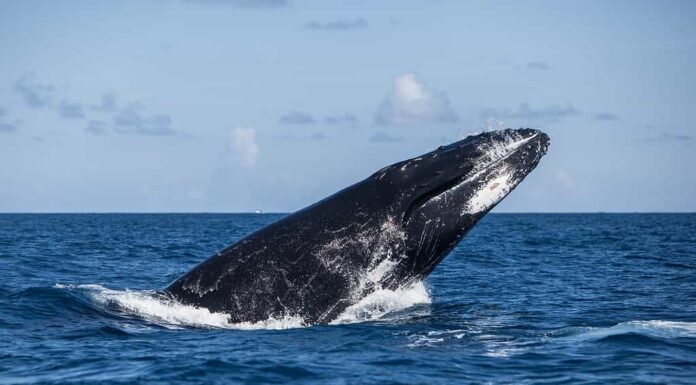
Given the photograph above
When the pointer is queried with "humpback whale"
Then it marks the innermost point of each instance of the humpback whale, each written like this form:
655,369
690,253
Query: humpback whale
384,232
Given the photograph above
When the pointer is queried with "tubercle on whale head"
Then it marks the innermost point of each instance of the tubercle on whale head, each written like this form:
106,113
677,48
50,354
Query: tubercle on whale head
441,195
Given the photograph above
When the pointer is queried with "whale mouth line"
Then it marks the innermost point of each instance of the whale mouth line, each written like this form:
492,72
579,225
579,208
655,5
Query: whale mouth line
430,194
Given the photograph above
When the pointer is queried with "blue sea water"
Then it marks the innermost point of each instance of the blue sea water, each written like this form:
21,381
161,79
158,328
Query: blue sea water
525,298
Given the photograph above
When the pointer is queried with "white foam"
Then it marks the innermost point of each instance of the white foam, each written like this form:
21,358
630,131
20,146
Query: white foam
375,274
169,313
383,301
435,337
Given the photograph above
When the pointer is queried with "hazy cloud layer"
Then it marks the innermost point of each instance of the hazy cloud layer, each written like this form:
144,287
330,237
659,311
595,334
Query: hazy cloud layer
410,102
342,119
338,25
244,147
96,127
549,113
34,94
537,65
383,137
134,119
242,3
131,119
668,137
70,110
6,126
107,103
605,116
297,117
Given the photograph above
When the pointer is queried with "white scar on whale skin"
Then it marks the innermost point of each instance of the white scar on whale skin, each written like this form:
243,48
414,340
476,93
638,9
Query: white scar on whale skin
490,194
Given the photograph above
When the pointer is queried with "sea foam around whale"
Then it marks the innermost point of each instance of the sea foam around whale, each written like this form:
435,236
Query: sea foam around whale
165,312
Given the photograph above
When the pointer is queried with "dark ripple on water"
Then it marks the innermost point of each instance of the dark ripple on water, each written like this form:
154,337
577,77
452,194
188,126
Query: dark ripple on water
603,298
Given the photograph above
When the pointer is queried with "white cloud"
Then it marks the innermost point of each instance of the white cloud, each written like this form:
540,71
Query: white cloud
244,146
410,102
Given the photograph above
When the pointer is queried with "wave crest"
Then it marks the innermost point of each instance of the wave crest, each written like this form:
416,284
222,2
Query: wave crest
652,328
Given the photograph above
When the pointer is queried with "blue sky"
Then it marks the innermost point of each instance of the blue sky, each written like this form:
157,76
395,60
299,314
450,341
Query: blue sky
214,105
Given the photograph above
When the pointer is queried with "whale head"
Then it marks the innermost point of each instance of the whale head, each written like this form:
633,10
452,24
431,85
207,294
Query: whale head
439,196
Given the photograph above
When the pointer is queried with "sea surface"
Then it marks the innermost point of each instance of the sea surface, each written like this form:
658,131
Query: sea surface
525,298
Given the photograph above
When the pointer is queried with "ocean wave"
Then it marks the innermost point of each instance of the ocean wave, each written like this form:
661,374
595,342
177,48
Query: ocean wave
652,328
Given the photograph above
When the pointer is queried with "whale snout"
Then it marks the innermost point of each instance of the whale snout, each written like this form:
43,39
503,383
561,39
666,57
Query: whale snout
474,173
472,177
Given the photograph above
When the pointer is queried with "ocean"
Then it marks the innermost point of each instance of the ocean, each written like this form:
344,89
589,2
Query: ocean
525,298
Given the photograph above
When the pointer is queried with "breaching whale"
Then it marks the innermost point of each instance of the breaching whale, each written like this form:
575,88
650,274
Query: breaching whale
384,232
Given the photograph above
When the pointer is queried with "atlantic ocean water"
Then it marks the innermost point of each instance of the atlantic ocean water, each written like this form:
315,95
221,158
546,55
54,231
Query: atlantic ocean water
525,298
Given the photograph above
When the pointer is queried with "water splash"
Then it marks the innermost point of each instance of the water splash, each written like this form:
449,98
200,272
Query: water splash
383,301
166,312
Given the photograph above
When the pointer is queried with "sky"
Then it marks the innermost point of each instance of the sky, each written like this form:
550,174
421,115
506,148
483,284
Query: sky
241,105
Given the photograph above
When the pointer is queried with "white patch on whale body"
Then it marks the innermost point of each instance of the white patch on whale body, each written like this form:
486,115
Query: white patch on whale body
489,194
